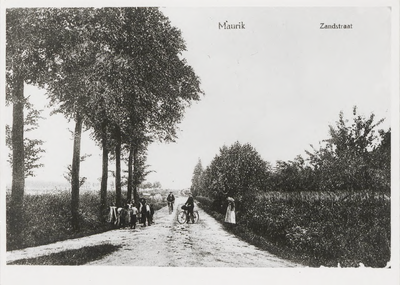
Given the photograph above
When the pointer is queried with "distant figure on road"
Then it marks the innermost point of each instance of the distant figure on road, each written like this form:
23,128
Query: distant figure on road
189,206
171,201
150,212
230,216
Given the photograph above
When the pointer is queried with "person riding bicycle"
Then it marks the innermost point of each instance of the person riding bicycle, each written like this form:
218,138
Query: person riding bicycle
189,206
171,200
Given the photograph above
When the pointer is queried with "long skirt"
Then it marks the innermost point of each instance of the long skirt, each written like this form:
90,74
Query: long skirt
230,216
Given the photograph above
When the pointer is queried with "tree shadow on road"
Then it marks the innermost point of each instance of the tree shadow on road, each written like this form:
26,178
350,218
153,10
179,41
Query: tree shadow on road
70,257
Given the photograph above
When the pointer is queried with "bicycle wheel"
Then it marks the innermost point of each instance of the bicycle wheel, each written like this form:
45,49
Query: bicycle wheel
196,216
181,217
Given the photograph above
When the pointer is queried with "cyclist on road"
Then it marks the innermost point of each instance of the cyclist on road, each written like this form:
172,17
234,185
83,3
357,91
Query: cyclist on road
189,207
171,200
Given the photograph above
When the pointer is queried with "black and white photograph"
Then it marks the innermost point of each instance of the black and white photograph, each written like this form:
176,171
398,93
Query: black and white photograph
168,142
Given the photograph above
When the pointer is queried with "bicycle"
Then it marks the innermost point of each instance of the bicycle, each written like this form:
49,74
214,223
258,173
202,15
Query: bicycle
183,216
170,207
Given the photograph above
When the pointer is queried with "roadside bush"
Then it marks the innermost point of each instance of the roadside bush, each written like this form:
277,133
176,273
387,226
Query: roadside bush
208,205
347,232
203,202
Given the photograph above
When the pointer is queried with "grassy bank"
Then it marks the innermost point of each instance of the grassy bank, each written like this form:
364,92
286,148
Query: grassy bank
316,232
46,218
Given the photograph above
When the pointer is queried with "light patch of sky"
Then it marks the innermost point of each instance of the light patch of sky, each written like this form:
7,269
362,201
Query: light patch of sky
277,84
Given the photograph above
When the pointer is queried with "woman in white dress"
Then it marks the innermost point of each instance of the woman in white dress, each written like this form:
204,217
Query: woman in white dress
230,216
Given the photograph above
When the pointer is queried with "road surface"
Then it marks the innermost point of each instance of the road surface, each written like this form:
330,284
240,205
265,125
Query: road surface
167,243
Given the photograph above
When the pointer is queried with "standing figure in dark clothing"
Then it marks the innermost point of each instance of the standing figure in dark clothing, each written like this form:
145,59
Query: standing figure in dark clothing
143,211
171,200
189,207
148,214
151,214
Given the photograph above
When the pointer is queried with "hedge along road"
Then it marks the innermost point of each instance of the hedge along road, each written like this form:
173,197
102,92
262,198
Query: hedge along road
168,243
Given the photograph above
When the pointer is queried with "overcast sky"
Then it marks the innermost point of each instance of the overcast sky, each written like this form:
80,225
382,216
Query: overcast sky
277,84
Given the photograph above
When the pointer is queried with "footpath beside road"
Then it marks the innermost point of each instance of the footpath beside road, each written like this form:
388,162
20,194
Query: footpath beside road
167,243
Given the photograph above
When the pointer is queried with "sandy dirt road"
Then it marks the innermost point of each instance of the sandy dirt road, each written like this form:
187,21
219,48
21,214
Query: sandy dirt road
167,243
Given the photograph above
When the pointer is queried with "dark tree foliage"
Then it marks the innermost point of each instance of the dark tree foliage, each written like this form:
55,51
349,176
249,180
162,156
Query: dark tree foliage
355,157
196,187
151,85
237,171
292,176
380,163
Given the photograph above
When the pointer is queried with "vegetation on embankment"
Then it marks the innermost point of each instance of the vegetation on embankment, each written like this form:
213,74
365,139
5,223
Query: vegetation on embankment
315,232
46,218
331,206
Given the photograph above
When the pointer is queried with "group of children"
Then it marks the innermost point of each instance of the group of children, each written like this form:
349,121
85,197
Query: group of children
132,215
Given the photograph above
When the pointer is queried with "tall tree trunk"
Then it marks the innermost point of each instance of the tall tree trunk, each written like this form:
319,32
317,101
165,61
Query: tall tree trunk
136,174
75,172
104,174
130,173
118,197
18,166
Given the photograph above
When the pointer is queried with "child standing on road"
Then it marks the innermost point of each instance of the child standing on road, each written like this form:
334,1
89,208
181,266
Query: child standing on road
132,215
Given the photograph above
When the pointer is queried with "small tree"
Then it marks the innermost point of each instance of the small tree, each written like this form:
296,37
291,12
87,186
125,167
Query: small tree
347,158
196,179
68,175
32,147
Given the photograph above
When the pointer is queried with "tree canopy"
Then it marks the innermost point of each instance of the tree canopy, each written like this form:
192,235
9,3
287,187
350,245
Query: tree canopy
348,160
237,171
116,71
355,157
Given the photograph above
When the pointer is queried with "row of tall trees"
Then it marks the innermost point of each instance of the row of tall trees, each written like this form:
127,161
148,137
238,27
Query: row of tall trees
355,157
118,72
